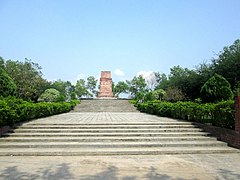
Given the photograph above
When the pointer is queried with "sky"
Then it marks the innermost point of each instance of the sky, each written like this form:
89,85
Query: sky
73,39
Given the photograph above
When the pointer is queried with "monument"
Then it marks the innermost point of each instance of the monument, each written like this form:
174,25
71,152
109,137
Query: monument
105,85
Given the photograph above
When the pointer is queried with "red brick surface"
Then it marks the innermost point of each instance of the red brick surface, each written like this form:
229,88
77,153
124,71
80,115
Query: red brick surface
106,84
4,130
227,135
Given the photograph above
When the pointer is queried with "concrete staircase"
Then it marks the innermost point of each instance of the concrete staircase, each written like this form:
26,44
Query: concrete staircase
113,139
108,133
104,105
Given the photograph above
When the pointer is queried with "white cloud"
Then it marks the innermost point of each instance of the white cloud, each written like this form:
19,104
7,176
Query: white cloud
149,76
119,72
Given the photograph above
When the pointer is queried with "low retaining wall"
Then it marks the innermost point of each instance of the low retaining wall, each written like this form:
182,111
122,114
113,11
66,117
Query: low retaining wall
4,129
227,135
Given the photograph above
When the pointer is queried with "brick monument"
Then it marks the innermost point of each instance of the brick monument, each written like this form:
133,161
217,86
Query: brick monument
106,85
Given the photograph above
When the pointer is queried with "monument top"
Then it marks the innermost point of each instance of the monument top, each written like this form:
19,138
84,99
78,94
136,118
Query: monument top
105,74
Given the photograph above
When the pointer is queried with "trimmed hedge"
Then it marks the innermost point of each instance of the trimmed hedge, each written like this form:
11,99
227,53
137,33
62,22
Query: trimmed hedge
13,110
221,114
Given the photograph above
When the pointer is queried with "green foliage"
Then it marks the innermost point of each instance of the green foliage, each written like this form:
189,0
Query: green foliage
159,94
132,101
81,88
50,95
228,64
187,81
73,95
7,85
13,110
220,114
27,76
149,96
190,82
120,87
238,92
137,87
173,94
2,66
155,95
91,85
64,87
216,89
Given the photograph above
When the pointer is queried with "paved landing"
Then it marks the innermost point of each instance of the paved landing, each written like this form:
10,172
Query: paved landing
157,167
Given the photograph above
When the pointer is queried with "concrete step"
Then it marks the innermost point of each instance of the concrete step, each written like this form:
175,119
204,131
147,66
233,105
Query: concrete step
107,130
105,127
124,124
123,134
113,151
106,139
93,145
105,105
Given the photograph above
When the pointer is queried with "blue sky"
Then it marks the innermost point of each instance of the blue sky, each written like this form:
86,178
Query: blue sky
70,39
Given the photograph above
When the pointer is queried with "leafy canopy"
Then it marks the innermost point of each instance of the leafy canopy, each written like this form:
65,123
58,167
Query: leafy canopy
7,85
49,95
27,76
81,89
216,89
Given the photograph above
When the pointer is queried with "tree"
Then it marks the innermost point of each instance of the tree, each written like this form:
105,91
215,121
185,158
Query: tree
2,63
27,76
161,81
228,64
174,94
150,78
49,95
73,95
216,89
61,86
186,80
159,94
155,95
137,87
149,96
120,87
81,89
91,85
7,85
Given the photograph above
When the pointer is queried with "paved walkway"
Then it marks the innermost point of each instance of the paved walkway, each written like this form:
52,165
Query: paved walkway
163,167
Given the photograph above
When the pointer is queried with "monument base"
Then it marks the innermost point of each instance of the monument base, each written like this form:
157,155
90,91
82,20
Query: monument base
104,97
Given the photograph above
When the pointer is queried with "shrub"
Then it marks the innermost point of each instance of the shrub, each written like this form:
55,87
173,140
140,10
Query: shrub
13,110
49,95
220,114
216,89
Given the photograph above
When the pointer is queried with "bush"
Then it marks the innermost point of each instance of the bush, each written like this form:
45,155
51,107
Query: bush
49,95
216,89
220,114
13,110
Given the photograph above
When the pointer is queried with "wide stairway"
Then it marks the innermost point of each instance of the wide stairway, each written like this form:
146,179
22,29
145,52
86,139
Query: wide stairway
107,105
108,133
